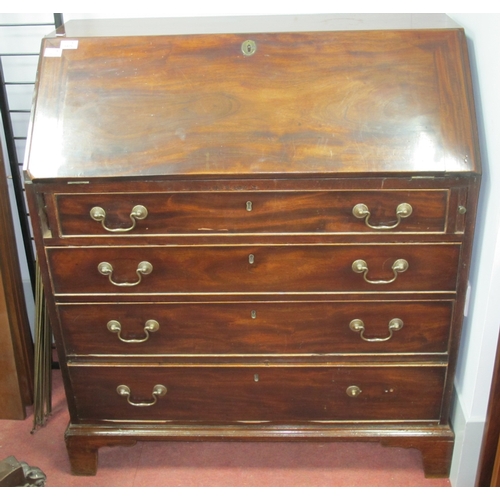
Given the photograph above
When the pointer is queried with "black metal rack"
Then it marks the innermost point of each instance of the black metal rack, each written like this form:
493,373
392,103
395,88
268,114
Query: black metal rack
42,397
13,140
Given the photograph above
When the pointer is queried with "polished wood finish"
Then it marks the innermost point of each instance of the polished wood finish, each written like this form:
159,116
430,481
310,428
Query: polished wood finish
495,476
436,444
219,393
267,212
250,169
16,345
302,104
227,269
260,328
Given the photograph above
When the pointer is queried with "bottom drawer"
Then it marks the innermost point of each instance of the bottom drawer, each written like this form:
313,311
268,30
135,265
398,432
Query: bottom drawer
257,393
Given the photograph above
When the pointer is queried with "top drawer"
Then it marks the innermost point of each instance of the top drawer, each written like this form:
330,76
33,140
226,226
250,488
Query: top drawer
163,213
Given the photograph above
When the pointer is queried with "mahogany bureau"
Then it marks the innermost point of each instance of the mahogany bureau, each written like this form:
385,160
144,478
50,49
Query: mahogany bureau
256,235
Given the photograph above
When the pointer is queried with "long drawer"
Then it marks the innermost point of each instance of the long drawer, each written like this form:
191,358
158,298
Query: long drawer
257,393
251,212
254,269
280,328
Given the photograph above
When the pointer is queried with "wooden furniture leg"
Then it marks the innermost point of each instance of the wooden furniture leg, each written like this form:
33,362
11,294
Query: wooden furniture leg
83,456
436,453
83,450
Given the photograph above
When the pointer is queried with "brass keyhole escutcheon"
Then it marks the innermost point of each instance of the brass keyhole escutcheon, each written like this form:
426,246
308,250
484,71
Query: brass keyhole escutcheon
353,391
248,47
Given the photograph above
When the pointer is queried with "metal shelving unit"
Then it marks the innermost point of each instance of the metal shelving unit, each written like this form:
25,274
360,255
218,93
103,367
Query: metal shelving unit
16,93
15,118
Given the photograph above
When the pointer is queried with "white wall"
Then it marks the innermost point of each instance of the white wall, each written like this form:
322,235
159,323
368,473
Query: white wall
483,35
480,334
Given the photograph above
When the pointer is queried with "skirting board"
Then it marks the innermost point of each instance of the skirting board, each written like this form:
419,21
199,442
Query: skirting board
468,440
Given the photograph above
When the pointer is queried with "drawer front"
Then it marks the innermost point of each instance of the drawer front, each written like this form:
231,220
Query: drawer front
251,212
256,328
257,393
264,269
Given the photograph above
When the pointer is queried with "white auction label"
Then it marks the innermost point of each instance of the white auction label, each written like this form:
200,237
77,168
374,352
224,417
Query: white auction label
52,52
69,44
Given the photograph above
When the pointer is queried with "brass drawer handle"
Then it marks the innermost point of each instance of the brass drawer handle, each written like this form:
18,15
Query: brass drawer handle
106,269
357,325
150,326
399,266
138,213
158,391
361,211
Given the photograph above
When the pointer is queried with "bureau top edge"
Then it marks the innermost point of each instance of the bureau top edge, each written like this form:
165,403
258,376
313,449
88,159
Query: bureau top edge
273,103
158,26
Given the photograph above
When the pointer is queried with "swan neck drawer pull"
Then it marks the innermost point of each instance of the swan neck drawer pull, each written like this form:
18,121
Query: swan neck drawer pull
150,326
106,269
138,213
357,325
360,266
361,211
158,392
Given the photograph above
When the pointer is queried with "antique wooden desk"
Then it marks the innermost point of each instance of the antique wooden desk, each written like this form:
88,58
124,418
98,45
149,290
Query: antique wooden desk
257,233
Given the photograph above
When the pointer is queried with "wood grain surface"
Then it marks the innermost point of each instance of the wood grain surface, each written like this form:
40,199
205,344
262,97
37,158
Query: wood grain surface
313,103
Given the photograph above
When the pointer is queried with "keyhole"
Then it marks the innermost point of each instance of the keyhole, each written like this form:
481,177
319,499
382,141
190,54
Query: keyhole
248,47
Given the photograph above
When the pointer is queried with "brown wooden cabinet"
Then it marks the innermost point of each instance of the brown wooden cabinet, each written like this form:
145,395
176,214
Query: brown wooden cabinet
16,344
258,236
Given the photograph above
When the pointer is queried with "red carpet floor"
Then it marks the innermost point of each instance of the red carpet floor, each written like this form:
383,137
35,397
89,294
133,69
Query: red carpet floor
213,464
